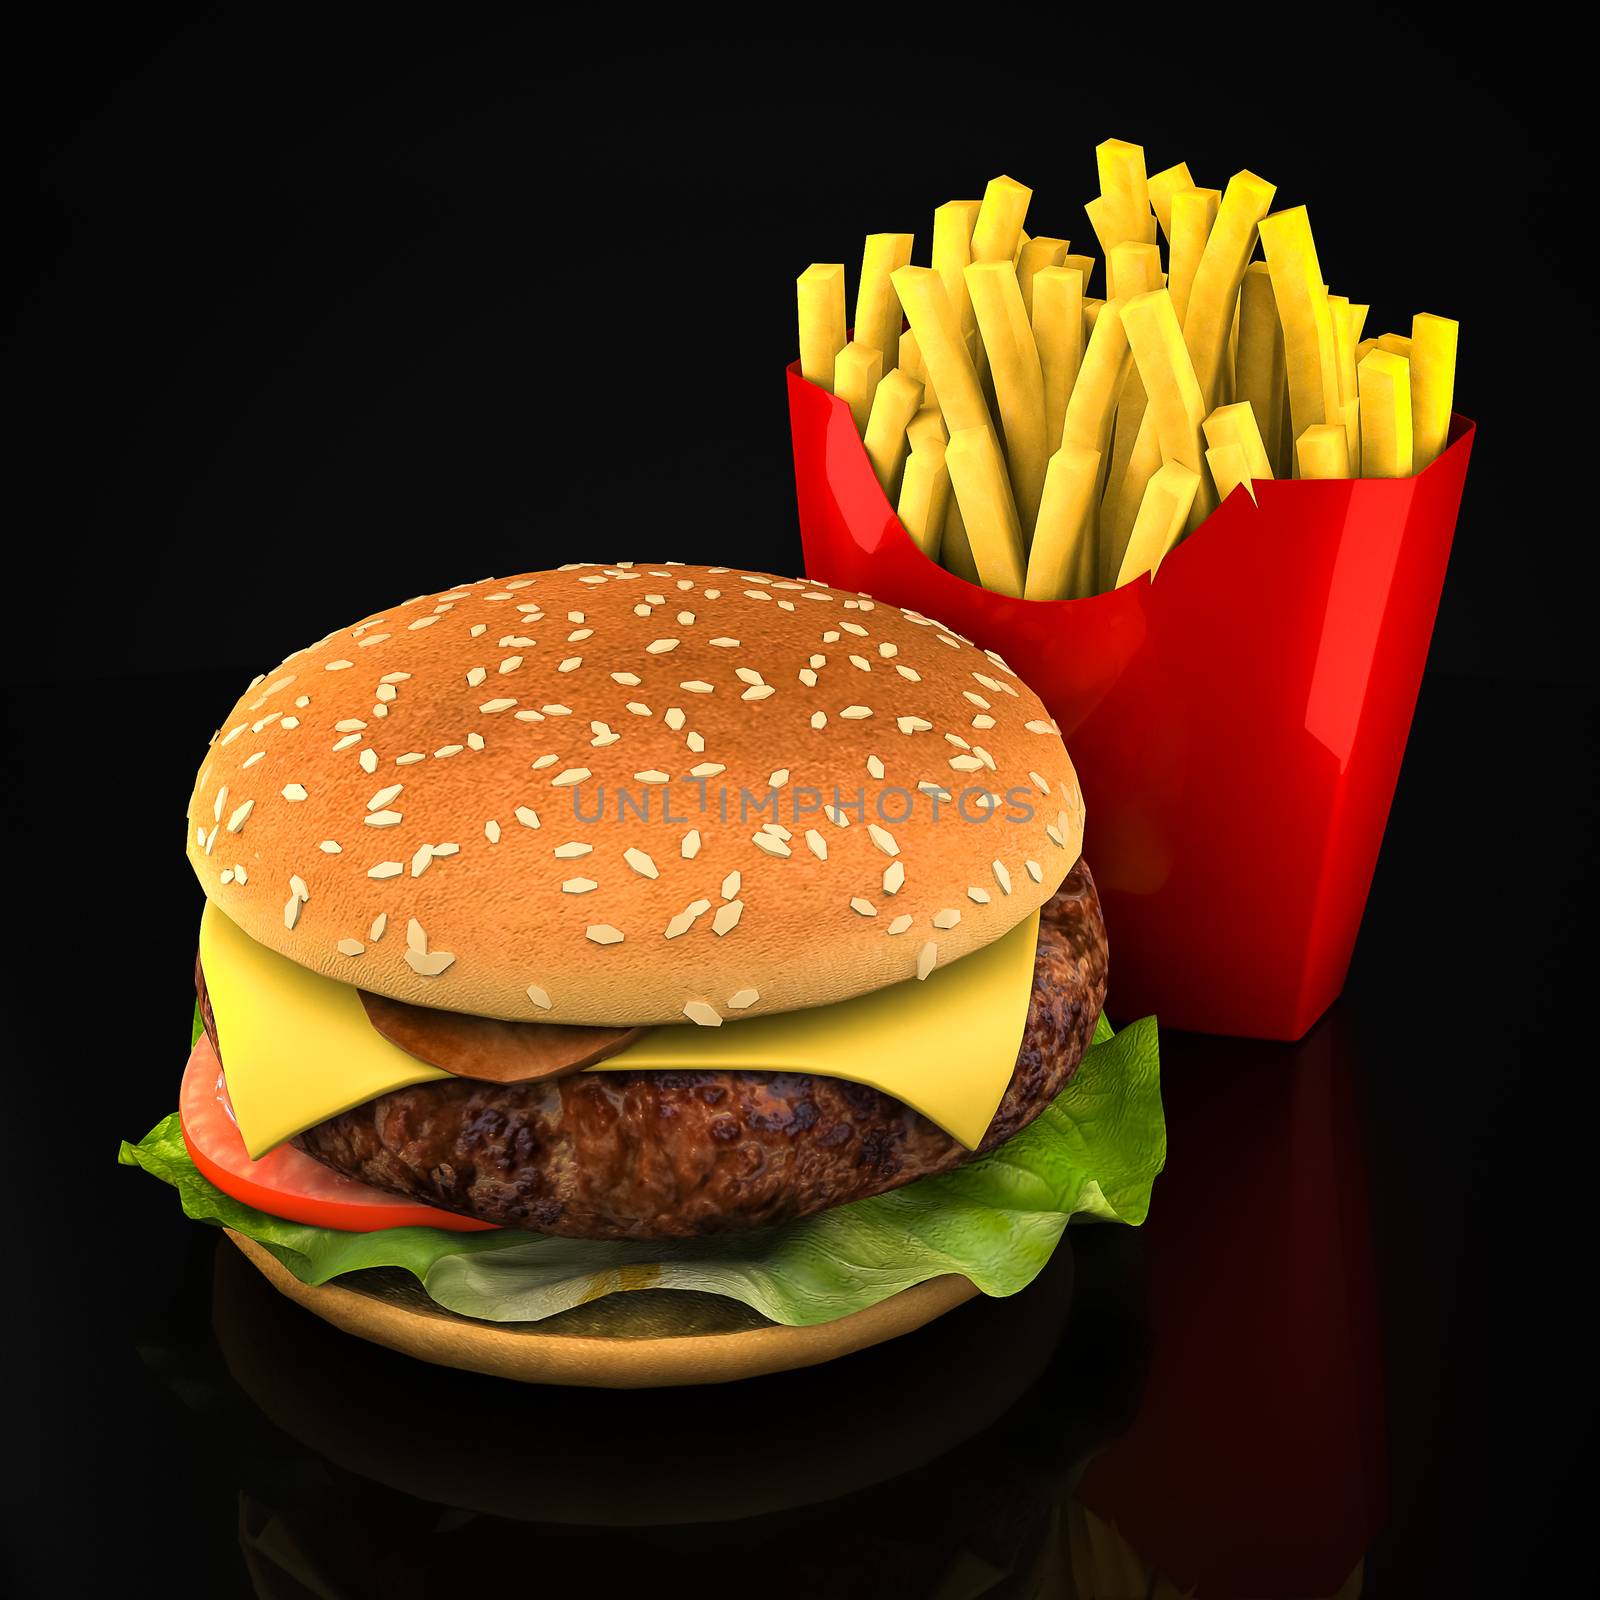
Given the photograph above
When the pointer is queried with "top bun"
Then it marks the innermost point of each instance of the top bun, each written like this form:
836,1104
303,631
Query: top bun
634,794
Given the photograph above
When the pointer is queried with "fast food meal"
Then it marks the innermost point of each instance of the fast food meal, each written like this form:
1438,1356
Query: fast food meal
649,926
1082,438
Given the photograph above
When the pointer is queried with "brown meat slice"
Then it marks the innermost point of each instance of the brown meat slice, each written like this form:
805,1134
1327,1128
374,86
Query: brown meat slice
640,1155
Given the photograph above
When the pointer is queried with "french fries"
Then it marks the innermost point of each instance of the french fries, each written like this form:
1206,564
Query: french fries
1045,442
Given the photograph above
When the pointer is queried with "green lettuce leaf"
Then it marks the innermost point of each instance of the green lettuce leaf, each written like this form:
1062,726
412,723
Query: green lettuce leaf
1094,1151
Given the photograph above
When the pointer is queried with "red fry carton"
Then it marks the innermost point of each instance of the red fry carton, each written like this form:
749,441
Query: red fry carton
1238,723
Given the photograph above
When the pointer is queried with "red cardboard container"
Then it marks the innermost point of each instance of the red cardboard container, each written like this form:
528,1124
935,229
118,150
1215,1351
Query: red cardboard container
1238,724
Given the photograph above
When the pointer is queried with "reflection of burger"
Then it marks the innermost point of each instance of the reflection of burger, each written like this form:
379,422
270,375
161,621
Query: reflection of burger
647,927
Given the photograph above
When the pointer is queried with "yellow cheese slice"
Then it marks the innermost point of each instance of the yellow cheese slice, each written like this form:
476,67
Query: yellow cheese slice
298,1048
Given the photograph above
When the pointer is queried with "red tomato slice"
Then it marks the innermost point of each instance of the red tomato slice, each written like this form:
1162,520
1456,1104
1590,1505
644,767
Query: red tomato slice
286,1182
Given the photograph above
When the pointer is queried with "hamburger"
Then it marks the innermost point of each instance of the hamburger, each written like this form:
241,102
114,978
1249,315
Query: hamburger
698,932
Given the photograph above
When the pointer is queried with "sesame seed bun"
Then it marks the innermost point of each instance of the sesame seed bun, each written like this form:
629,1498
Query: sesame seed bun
522,798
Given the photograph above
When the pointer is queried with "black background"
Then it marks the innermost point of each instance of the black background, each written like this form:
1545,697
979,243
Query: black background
307,317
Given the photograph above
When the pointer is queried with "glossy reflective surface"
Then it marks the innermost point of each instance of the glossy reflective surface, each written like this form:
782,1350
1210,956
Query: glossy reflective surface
1237,725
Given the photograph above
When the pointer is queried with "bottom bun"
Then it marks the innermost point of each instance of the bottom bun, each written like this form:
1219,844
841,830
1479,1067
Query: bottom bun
619,1357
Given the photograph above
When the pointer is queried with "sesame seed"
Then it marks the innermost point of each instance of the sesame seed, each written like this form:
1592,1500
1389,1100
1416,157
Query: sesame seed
819,719
386,869
603,933
368,759
490,707
927,957
572,850
855,713
568,777
291,911
966,763
571,664
382,819
350,947
575,616
686,618
894,877
1038,727
759,691
579,886
743,999
884,840
980,896
947,918
727,917
981,721
695,741
638,708
748,675
527,816
1035,871
818,660
491,831
250,761
1001,876
777,828
542,763
659,647
861,662
578,635
222,800
832,636
730,886
770,843
899,925
237,820
445,751
292,791
422,860
1040,783
641,863
703,1012
384,796
674,718
337,666
632,680
475,741
429,966
690,847
855,628
808,677
380,924
706,769
388,677
698,686
528,716
875,766
1056,836
907,673
540,997
330,847
475,676
913,724
817,845
836,816
863,907
652,775
723,644
239,874
887,650
776,780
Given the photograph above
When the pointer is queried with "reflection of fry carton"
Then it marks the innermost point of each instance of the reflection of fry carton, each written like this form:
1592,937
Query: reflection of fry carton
1238,724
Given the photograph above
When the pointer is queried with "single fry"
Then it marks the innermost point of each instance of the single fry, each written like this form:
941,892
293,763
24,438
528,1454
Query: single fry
924,494
1229,470
1116,223
1162,187
944,351
1091,311
1322,451
1122,174
1058,333
1000,217
1084,264
1033,258
1310,357
1175,401
1236,425
978,481
1344,354
1208,317
820,290
953,223
1133,268
1358,319
1163,512
856,371
1105,364
1433,384
1123,496
877,323
1018,381
1060,561
1386,447
896,401
1397,344
1193,214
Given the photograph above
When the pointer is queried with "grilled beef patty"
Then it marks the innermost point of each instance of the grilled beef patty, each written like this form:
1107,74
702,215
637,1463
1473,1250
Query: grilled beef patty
653,1155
